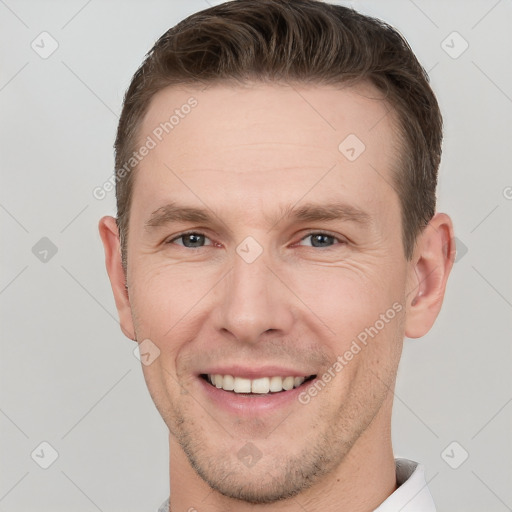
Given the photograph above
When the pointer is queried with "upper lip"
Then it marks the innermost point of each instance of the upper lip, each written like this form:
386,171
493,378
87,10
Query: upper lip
256,372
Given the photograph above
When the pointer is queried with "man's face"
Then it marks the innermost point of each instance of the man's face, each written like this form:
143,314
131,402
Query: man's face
267,286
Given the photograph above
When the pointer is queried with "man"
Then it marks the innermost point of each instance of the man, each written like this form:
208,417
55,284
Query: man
276,239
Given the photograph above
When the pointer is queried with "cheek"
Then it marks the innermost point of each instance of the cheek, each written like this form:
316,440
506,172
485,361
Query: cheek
349,299
165,298
337,302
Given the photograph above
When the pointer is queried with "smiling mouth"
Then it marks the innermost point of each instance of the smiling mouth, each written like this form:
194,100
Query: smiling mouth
262,386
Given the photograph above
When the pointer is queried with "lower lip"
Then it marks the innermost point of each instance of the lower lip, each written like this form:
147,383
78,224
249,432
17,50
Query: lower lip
252,404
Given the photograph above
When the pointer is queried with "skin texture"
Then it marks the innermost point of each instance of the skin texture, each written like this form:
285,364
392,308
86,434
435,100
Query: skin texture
245,154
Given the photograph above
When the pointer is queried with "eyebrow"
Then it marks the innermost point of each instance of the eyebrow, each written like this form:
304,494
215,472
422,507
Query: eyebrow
308,212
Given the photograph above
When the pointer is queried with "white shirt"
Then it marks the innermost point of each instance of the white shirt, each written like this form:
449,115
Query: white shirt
412,494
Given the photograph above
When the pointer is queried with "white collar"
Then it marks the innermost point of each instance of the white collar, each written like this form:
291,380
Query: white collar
412,494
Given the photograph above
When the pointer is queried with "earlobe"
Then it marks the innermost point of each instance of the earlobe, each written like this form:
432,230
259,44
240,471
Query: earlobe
431,265
110,237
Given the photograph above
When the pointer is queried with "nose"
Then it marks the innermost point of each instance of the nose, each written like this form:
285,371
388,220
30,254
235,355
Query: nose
253,300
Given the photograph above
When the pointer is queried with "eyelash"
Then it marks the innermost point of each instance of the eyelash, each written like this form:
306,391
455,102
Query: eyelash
311,233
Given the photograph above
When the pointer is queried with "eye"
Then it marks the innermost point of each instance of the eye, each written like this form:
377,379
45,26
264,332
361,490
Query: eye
191,240
320,240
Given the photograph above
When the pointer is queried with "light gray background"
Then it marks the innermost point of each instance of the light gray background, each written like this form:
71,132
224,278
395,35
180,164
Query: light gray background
68,375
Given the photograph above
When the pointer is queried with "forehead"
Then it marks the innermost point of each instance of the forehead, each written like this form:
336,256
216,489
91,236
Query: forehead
262,142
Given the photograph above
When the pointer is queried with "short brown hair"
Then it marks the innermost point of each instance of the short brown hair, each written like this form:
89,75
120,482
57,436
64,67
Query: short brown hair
305,41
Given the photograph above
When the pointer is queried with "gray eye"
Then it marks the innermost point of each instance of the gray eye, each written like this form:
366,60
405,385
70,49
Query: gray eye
192,240
320,239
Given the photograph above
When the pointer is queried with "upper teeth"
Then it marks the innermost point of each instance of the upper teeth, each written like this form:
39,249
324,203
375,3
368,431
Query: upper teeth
262,385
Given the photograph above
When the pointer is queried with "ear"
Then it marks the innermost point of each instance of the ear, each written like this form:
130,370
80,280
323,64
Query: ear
428,273
110,237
